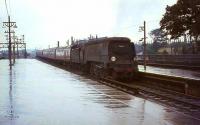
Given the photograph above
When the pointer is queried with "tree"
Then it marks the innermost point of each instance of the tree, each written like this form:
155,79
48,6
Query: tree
182,18
158,37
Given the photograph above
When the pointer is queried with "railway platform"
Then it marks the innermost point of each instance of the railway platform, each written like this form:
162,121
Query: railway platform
171,72
35,93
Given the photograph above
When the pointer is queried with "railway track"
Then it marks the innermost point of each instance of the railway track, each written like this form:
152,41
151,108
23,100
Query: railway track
178,101
190,67
182,85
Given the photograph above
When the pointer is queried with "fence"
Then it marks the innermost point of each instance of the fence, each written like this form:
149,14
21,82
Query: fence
172,47
185,61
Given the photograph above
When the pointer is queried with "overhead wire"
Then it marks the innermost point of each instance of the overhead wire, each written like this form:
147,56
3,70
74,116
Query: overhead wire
10,8
122,29
6,7
137,25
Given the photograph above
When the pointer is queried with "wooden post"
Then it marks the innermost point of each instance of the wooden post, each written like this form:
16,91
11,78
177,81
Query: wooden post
144,53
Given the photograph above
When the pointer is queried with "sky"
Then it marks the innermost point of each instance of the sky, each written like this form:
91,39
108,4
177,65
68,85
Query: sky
44,22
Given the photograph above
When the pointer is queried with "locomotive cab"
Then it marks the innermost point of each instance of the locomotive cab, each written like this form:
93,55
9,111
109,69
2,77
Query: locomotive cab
122,58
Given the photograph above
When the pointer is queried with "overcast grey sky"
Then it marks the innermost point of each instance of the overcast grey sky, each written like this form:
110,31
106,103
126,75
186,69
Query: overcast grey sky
44,22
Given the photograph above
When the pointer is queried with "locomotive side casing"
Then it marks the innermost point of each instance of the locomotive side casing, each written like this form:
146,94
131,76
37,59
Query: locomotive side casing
96,52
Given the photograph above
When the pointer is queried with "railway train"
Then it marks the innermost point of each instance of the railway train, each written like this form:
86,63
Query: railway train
107,56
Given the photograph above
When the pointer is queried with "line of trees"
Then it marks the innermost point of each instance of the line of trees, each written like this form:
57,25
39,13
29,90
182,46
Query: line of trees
181,19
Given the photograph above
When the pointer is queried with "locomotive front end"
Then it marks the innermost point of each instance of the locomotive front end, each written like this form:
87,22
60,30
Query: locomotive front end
122,59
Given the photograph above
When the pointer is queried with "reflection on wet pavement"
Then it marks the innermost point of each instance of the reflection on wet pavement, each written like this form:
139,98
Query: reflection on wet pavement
34,93
171,72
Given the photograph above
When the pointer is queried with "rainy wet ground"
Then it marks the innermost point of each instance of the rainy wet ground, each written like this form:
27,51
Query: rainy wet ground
35,93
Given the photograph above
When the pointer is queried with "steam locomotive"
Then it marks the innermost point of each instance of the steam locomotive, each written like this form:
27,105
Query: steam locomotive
108,56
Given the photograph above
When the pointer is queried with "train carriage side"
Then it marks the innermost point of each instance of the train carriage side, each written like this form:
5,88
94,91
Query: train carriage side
39,53
75,56
62,54
49,54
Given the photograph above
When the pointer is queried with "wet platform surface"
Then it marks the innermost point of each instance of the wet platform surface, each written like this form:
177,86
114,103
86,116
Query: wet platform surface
35,93
172,72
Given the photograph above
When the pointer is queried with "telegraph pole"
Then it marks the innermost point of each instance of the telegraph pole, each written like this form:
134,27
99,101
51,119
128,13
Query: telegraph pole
17,48
145,45
12,45
14,53
23,41
9,25
9,46
72,40
58,44
14,48
143,28
25,53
